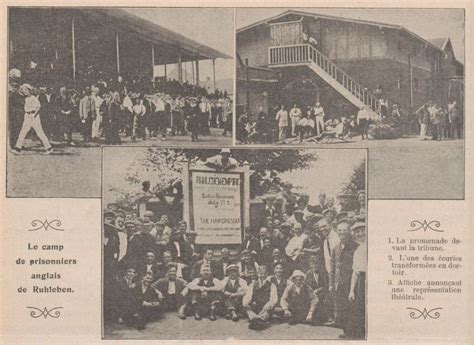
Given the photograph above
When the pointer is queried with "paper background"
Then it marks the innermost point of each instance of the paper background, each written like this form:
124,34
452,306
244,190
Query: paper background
80,320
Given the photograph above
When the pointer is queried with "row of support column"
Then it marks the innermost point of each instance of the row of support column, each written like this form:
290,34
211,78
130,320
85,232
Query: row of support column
195,64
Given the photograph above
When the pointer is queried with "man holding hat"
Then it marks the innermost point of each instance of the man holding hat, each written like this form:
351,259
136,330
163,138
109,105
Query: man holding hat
298,301
233,289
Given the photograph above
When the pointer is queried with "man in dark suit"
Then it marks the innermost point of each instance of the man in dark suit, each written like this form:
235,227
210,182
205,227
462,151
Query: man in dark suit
139,242
48,114
248,239
150,265
341,274
171,287
144,304
257,245
317,278
270,210
179,248
222,263
216,269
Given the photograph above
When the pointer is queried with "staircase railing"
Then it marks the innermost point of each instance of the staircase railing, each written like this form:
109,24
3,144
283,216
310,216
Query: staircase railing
306,53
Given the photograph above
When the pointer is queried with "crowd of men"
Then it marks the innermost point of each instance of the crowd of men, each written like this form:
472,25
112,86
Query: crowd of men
107,111
311,122
301,264
431,120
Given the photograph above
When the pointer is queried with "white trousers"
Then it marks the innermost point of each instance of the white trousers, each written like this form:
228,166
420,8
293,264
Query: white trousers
32,122
319,124
96,126
294,123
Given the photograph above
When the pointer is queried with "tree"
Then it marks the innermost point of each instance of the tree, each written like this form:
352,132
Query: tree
167,165
356,181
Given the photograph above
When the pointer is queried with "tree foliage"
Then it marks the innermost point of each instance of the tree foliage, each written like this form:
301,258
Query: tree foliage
167,164
356,181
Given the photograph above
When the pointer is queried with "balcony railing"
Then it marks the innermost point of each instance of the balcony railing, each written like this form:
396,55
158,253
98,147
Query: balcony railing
306,53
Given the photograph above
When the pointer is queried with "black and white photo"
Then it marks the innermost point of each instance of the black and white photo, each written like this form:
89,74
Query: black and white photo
80,78
234,243
390,80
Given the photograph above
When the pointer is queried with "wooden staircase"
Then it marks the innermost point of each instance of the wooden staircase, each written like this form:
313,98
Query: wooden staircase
306,54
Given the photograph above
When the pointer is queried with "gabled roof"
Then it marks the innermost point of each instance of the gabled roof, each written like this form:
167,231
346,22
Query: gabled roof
349,20
441,42
155,33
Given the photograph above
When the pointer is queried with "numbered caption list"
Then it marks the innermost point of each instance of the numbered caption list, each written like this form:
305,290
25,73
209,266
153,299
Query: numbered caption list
422,267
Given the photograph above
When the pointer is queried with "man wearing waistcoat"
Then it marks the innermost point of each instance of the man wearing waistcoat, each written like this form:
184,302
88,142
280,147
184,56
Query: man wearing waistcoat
260,300
299,301
233,289
204,294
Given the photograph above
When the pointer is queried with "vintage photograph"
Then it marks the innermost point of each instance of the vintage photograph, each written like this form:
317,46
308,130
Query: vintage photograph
234,243
390,80
80,78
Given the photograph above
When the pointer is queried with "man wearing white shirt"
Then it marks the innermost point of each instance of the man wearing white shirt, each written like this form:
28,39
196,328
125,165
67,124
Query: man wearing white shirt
96,123
260,299
294,248
282,119
31,121
295,116
363,117
319,114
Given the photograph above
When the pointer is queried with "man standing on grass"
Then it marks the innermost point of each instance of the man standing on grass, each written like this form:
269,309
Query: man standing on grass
282,119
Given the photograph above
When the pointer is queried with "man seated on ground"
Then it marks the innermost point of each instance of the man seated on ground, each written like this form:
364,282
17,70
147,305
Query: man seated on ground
298,301
318,280
233,289
145,302
171,287
123,294
260,300
247,267
281,282
204,294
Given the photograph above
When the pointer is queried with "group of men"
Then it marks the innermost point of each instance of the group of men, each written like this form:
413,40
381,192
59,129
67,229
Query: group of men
107,112
303,264
282,125
437,123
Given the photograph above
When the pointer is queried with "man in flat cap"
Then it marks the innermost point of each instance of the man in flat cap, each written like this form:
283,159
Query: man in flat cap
233,289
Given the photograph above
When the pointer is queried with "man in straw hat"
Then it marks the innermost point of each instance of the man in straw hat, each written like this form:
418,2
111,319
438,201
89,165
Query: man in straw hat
31,120
233,289
298,301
